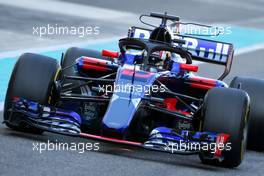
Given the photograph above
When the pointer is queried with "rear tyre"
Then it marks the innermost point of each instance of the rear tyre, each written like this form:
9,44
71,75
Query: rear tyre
226,111
255,89
33,79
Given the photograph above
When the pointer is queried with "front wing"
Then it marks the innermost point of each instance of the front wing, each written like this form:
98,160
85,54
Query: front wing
162,138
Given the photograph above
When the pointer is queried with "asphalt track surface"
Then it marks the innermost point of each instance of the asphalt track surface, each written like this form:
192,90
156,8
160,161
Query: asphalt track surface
17,156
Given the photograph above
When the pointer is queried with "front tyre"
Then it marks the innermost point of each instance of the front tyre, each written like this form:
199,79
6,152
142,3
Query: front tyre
33,79
226,111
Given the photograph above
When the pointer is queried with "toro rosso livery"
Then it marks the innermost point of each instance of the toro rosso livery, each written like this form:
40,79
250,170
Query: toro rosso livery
146,95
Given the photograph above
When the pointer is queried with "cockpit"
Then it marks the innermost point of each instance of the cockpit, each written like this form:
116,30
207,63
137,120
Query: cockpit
152,55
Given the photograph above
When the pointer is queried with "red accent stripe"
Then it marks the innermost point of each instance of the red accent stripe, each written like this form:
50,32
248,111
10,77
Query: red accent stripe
94,67
202,86
203,80
170,103
202,83
110,139
94,64
112,54
139,75
221,140
92,60
193,68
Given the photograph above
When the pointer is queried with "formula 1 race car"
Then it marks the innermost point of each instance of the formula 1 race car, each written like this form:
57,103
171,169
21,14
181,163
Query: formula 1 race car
145,95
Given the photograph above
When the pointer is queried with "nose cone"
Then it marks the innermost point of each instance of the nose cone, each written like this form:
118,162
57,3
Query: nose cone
125,102
120,112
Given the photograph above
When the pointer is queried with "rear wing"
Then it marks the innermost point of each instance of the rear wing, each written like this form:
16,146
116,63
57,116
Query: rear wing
202,50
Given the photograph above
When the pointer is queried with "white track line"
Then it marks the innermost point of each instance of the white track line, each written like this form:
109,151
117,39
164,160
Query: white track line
249,49
68,8
16,53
